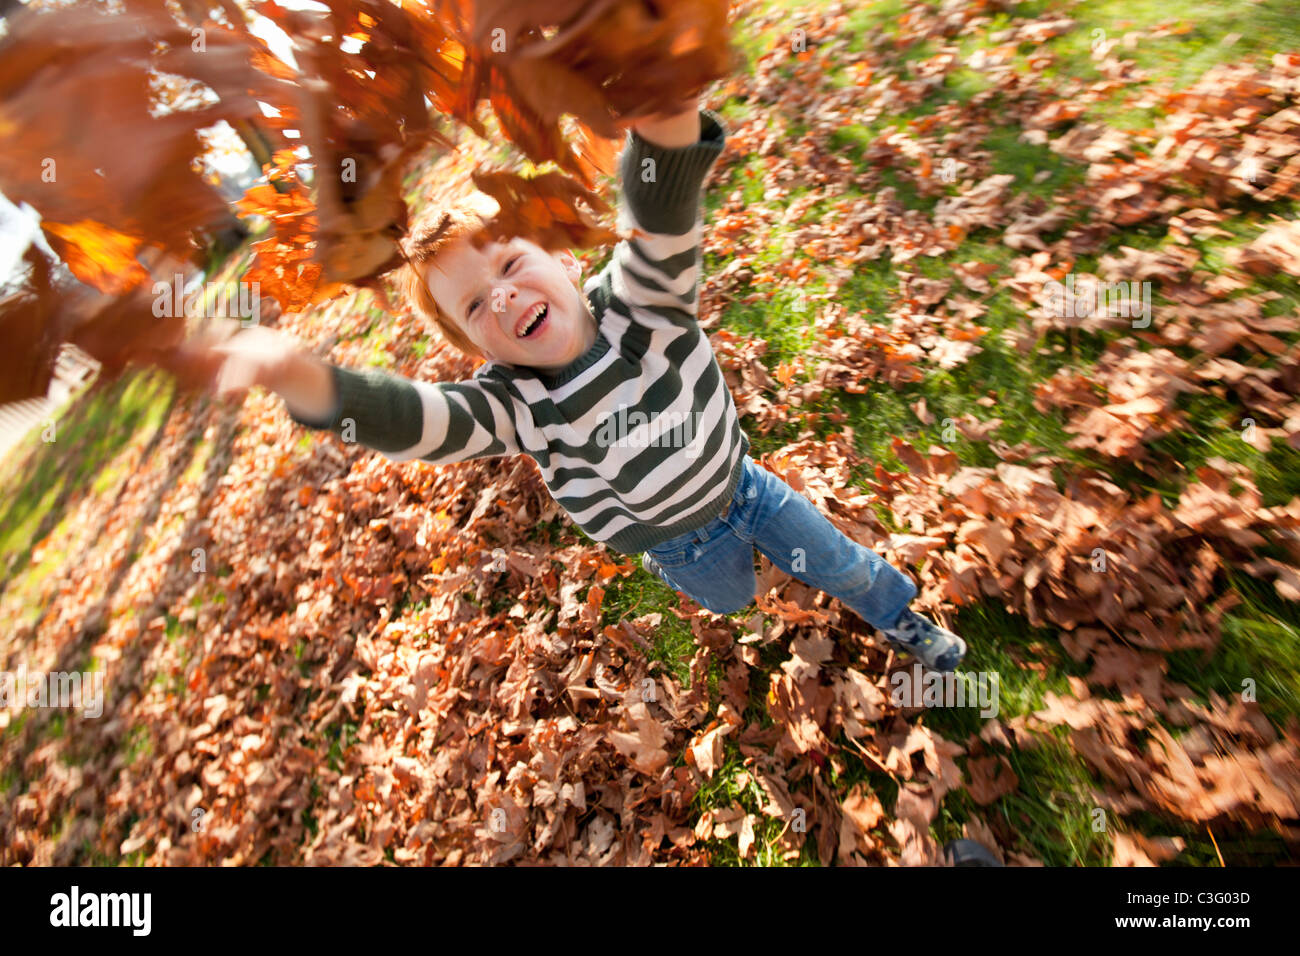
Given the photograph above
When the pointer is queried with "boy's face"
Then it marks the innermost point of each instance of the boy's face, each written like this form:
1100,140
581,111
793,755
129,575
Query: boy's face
493,293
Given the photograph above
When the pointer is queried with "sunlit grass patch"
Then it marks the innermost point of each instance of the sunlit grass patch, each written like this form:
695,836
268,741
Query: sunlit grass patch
1014,156
96,436
640,593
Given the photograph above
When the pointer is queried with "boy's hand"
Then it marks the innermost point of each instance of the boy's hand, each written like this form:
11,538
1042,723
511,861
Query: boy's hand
681,127
265,357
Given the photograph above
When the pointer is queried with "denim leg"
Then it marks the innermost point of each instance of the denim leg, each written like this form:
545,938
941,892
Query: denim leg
714,568
714,564
802,542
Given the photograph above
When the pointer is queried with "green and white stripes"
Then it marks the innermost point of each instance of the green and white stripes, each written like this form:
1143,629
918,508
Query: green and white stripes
595,428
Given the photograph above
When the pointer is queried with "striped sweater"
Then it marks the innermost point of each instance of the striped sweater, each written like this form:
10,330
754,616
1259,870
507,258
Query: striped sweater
638,438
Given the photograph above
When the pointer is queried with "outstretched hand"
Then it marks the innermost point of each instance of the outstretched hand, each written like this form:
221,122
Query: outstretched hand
673,130
227,359
253,356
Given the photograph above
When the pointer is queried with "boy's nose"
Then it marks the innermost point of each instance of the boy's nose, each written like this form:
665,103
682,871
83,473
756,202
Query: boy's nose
507,293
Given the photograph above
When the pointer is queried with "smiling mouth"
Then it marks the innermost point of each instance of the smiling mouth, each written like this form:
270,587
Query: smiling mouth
534,323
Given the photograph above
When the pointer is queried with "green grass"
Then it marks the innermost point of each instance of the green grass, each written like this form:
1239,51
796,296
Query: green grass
1051,809
93,432
341,736
93,856
1261,642
1012,156
1046,809
726,789
139,742
639,594
1180,59
869,18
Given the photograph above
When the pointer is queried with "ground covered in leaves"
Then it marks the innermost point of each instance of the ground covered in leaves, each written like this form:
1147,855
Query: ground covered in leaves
313,655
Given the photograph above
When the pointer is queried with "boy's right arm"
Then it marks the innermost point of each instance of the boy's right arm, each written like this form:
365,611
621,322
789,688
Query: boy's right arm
403,418
400,417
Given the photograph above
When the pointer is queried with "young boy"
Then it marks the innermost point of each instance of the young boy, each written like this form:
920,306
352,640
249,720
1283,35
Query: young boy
612,387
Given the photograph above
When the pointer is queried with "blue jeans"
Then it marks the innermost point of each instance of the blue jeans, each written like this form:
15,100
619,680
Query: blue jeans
714,564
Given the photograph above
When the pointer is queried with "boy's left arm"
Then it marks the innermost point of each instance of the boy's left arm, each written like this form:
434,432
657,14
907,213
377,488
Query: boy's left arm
662,171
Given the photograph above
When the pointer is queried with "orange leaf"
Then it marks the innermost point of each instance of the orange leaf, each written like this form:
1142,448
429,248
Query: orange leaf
98,255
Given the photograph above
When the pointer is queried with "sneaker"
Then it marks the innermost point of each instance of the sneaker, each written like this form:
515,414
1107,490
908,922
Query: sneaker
969,853
932,645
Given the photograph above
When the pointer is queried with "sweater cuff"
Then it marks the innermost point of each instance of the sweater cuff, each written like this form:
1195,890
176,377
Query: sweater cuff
669,203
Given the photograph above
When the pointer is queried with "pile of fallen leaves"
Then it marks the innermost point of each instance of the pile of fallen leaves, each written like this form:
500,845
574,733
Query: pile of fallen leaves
395,659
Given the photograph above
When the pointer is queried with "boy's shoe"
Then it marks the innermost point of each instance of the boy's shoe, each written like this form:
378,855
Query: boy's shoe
969,853
932,645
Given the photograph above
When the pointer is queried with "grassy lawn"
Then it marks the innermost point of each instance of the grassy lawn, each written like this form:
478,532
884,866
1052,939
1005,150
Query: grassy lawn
96,438
1051,808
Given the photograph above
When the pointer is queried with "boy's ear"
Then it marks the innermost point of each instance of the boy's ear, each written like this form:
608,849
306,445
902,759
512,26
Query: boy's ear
572,267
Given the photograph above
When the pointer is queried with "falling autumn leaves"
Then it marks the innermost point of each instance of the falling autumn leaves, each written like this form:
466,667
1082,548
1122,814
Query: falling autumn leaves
394,662
116,178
